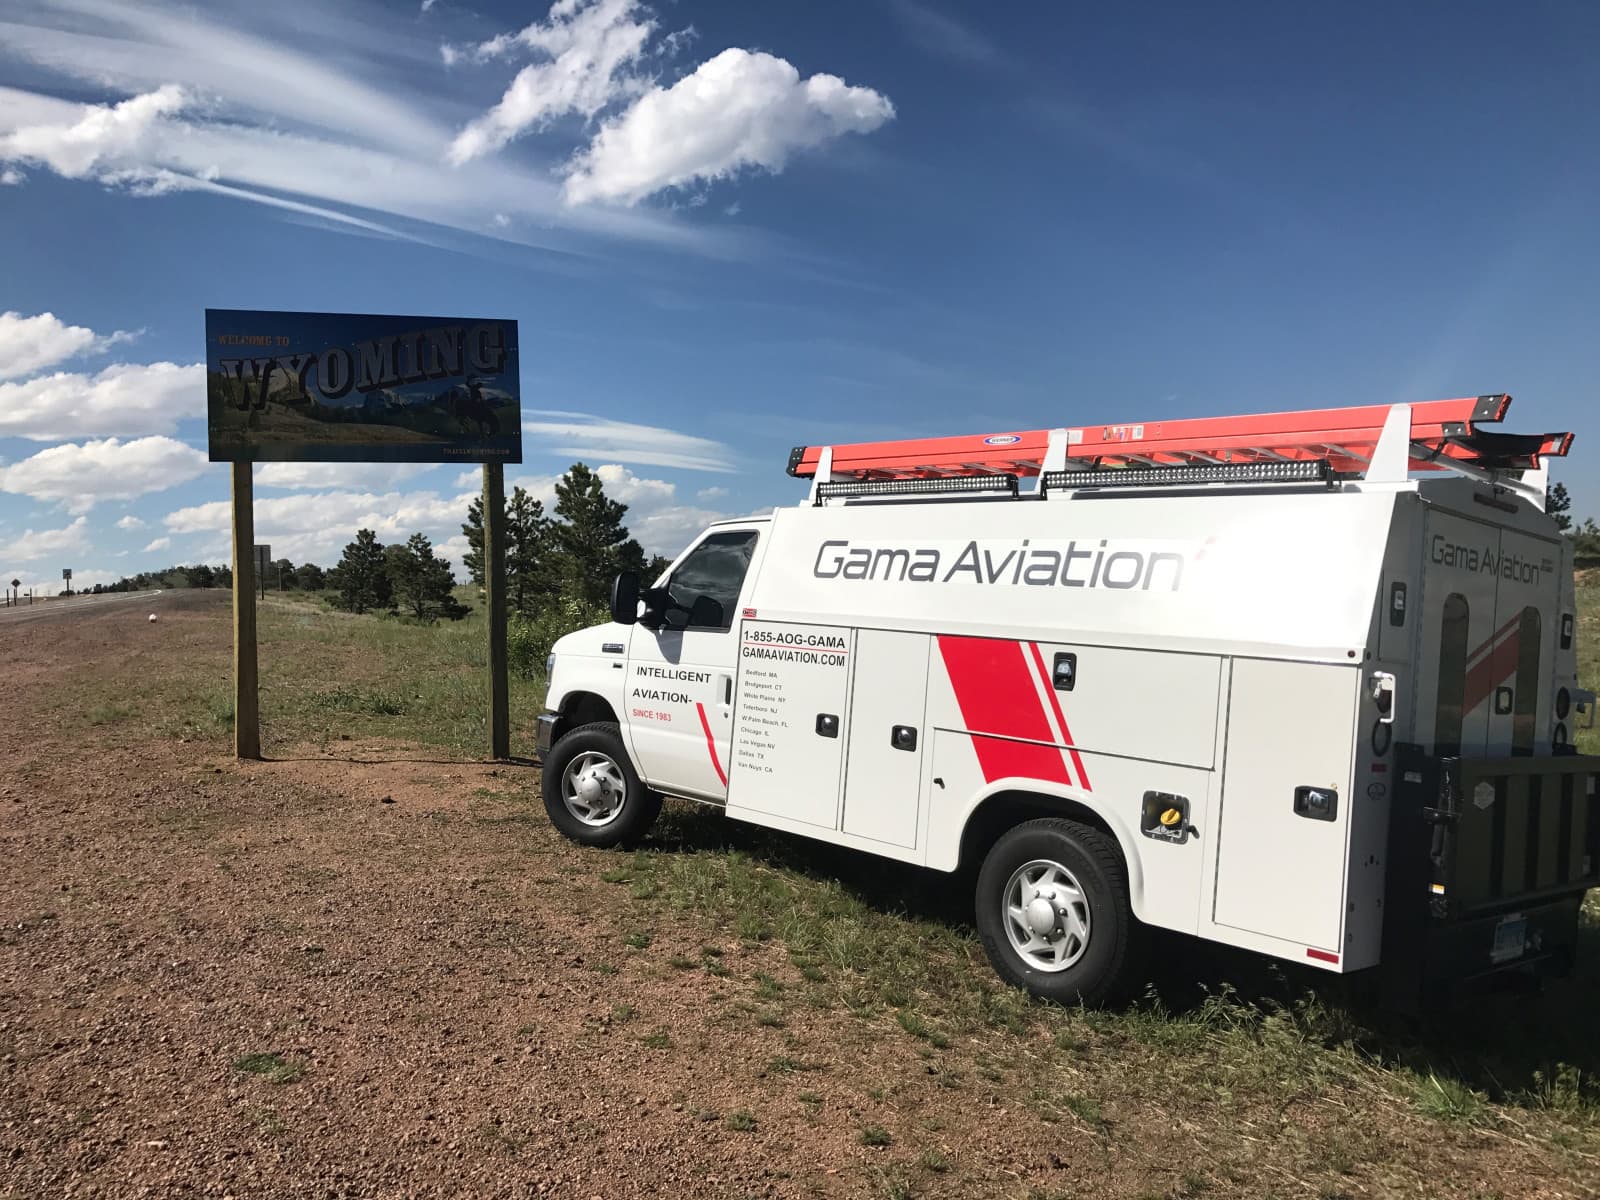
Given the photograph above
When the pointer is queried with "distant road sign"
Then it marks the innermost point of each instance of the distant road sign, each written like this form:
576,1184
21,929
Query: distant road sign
16,583
263,557
66,572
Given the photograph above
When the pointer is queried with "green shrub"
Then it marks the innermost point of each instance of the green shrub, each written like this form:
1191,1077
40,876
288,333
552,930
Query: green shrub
528,639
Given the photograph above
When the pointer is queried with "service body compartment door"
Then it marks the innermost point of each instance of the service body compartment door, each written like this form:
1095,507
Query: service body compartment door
1517,672
883,772
1286,800
789,722
1457,632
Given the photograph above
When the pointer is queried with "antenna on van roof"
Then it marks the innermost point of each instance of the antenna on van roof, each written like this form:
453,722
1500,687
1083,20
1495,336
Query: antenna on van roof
1431,436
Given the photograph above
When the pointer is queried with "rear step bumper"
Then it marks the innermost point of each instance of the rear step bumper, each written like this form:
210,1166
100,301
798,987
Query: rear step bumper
1489,860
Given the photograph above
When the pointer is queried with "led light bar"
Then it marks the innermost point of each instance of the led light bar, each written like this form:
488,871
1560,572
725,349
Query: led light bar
1313,470
848,489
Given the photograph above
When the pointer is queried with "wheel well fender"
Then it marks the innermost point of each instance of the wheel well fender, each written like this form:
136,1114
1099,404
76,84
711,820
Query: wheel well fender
583,708
1008,807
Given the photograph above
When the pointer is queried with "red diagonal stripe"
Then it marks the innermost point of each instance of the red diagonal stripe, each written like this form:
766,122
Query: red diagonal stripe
1489,671
1495,637
994,690
711,744
1061,718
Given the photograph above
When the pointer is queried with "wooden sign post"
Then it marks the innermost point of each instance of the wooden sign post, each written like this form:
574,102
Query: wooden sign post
494,576
246,714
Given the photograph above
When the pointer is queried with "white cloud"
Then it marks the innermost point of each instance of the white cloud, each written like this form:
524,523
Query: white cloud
124,399
130,523
46,542
316,526
333,475
711,493
587,47
80,475
160,543
110,143
737,111
11,177
427,5
947,37
29,344
587,437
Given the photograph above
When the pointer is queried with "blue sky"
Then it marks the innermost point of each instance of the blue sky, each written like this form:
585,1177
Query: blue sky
728,228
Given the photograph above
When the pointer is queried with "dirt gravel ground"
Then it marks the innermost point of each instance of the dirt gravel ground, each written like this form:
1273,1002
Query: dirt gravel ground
372,973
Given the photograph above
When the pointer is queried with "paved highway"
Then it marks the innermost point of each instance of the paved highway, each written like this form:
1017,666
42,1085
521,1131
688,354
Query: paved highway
69,606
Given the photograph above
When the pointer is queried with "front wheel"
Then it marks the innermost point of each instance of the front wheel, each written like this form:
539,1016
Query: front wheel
591,791
1054,915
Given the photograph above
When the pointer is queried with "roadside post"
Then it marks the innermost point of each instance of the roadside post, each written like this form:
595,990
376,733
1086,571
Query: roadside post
360,388
494,576
246,699
66,573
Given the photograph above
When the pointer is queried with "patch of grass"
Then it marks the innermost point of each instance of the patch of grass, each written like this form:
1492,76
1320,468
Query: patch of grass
110,713
933,1160
891,1181
267,1121
874,1135
623,1013
682,962
657,1040
768,988
1447,1099
913,1024
783,1064
378,702
272,1067
497,1138
771,1018
810,1099
741,1120
638,940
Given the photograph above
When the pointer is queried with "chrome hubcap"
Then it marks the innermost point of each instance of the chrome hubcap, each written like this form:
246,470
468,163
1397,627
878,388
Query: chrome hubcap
1046,915
593,789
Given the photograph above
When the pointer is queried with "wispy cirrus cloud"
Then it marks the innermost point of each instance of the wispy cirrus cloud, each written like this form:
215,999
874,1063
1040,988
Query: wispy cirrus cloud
601,439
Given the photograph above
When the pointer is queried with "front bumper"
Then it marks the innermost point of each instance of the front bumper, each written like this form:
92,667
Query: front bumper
547,731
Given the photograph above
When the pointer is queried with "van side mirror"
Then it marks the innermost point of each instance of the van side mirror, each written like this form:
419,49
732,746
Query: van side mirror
625,598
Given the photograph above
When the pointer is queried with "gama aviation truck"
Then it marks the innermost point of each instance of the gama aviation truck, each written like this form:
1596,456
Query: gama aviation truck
1303,683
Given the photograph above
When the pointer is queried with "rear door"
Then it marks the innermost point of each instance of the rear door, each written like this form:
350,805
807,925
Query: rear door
1458,629
1516,674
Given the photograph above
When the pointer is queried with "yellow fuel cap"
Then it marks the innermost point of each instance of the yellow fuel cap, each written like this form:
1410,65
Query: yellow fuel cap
1171,817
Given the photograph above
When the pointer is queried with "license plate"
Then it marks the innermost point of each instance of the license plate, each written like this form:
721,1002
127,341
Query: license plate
1510,940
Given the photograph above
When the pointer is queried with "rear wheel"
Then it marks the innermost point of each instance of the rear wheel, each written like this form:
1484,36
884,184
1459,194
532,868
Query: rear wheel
591,791
1054,915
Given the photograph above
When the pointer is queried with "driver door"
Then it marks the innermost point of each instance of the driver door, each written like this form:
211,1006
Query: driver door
680,676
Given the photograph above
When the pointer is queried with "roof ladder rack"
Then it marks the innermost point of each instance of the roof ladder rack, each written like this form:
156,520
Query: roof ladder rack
1377,442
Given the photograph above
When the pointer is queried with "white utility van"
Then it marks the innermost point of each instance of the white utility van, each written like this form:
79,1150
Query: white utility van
1303,683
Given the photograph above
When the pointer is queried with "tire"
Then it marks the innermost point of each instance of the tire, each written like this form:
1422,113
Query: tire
1090,950
591,791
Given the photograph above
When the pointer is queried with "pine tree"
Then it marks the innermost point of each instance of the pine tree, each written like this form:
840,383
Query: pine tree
423,583
472,560
363,583
532,578
309,577
1556,505
592,540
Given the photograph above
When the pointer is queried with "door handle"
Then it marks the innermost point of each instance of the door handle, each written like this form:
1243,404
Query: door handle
727,689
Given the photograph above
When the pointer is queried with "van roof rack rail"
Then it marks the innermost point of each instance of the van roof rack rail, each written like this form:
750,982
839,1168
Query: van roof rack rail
1377,442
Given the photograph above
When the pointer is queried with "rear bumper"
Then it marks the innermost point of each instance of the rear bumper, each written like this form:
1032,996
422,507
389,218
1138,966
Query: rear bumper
545,737
1489,860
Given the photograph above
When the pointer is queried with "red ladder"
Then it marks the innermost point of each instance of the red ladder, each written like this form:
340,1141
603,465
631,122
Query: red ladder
1444,434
